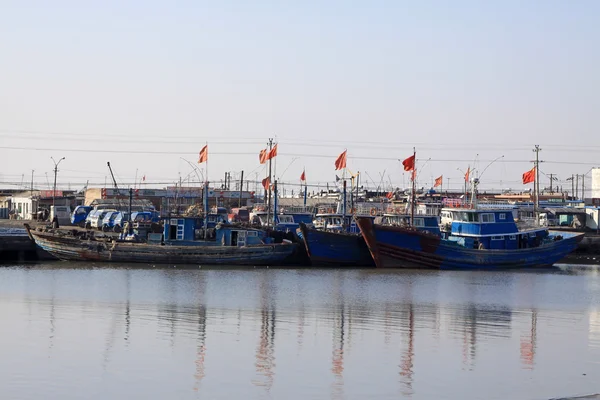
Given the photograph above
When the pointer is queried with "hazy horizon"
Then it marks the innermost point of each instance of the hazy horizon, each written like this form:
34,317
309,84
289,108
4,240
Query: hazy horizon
145,84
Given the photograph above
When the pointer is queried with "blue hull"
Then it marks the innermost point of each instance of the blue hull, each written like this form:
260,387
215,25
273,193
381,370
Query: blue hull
335,249
397,247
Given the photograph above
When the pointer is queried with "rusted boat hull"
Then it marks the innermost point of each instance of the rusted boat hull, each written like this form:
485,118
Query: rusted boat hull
66,247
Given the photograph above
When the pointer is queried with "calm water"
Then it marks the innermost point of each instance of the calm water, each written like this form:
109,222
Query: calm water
97,333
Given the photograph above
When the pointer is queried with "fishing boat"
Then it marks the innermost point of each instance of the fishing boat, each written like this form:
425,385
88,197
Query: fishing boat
478,238
183,241
335,247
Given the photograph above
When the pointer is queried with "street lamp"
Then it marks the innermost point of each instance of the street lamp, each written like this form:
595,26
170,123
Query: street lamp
55,172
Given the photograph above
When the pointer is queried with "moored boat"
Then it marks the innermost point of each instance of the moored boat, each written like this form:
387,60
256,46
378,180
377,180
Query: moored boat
183,242
479,238
335,248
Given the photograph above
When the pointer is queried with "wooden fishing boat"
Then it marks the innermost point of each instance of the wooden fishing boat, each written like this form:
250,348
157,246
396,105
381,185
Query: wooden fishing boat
180,244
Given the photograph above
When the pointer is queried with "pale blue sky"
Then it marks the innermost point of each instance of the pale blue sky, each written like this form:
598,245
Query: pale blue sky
455,78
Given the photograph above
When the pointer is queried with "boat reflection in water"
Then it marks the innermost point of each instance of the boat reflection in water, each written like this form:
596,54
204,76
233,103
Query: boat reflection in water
295,333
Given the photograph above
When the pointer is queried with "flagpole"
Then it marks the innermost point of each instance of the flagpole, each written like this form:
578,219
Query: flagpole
413,200
205,200
269,184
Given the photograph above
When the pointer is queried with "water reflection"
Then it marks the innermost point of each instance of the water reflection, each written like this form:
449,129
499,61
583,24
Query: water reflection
346,333
265,359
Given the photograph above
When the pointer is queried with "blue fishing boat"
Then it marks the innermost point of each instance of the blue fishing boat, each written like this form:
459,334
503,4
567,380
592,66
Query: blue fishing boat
478,238
183,241
335,248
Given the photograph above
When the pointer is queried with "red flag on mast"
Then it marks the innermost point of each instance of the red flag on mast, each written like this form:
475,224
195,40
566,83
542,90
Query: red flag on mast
529,176
340,162
272,153
303,176
266,183
409,163
438,181
467,174
262,157
203,155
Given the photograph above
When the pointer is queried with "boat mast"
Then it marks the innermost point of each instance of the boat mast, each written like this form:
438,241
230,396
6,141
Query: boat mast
536,184
413,199
269,187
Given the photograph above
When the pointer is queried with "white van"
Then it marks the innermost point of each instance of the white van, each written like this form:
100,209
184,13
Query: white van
62,213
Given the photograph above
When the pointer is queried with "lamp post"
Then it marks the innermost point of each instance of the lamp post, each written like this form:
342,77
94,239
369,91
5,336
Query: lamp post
55,172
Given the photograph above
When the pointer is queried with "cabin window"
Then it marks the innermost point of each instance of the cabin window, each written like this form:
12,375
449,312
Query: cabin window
512,237
487,217
497,237
252,234
532,235
419,222
502,216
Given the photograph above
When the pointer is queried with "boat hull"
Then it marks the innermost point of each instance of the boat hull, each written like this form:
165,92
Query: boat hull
71,248
335,249
398,247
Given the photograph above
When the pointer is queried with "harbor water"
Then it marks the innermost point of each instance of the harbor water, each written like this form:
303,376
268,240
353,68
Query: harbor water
84,331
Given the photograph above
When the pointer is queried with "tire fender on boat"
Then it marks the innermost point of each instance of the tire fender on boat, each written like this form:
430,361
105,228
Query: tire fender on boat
373,212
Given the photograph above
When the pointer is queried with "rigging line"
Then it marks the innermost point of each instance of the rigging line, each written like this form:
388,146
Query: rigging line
308,155
138,141
317,142
170,135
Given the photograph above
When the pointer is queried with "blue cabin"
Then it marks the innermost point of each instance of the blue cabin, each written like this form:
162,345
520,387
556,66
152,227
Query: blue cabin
491,229
183,231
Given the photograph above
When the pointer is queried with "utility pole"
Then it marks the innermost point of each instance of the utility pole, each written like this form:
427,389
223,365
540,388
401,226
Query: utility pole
537,183
572,187
241,188
576,193
551,183
583,188
31,189
55,173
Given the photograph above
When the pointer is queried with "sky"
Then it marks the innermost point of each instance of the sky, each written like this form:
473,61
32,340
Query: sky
145,84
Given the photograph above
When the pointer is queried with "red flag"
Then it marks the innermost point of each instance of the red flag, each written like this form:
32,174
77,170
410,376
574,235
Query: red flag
389,195
266,183
272,153
203,155
529,176
262,157
467,174
409,163
438,181
340,162
303,176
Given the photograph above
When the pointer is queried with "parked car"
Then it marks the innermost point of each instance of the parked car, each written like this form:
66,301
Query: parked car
79,215
119,221
108,222
98,218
